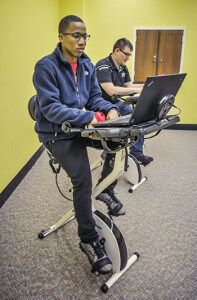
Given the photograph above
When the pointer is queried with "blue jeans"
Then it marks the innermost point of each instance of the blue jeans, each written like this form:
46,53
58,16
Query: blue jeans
126,109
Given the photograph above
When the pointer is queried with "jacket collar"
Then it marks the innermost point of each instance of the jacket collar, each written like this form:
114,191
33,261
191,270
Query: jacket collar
80,60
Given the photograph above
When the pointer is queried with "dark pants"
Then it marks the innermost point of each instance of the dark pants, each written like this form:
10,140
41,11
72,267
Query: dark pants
107,169
72,155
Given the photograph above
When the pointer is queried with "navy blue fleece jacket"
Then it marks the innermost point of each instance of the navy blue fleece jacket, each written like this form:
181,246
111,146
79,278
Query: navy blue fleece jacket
61,99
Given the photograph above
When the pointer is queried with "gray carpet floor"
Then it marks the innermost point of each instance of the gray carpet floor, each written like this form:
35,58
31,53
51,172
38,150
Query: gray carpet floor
160,224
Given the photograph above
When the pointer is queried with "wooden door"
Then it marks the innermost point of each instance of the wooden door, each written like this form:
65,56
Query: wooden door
146,53
169,51
157,52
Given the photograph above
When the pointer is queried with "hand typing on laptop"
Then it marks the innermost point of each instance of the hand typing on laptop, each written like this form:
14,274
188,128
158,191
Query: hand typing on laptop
112,114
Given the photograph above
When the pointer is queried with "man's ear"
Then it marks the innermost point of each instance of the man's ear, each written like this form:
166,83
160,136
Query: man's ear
116,50
61,37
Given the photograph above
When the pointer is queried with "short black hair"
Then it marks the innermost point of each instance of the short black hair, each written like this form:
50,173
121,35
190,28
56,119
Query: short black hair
64,23
122,43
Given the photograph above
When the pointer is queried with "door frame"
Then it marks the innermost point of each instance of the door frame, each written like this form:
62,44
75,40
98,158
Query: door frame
157,28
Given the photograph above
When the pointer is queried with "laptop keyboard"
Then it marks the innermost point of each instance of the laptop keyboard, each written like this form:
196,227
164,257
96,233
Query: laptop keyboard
123,120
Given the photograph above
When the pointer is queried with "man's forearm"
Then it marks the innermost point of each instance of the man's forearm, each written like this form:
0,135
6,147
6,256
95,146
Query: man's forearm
123,91
134,85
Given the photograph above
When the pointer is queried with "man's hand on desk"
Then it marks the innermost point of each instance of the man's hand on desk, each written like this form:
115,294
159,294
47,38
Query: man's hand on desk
94,121
136,87
98,117
112,114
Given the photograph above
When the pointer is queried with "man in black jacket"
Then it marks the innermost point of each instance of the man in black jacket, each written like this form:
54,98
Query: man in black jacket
114,79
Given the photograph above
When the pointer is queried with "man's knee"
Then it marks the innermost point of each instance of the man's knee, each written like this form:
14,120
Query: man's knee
83,181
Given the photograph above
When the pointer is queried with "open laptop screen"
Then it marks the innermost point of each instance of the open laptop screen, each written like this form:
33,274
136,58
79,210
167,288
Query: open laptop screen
155,88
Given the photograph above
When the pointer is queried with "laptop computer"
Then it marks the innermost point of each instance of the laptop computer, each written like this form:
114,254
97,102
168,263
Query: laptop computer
155,88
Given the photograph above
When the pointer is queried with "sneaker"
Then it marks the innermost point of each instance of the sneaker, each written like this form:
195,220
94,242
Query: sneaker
114,205
97,257
144,160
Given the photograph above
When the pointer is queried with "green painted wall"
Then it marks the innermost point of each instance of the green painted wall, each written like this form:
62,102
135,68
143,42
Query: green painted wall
28,32
71,7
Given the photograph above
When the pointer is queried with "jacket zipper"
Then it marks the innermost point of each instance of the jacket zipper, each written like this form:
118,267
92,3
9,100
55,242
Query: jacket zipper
77,87
55,132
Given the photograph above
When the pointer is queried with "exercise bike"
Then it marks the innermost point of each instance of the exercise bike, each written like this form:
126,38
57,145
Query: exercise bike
109,234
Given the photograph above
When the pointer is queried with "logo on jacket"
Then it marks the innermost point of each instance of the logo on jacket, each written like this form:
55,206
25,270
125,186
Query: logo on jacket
102,68
86,73
123,74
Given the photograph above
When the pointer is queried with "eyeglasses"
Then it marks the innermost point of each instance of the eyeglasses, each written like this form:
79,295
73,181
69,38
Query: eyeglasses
78,35
125,53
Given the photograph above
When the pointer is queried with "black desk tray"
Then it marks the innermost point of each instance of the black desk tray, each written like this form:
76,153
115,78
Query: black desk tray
132,131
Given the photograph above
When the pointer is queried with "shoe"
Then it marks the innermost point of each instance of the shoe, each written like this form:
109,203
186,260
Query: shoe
144,160
114,205
97,257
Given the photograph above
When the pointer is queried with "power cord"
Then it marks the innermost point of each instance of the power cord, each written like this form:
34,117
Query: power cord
60,189
52,163
150,137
